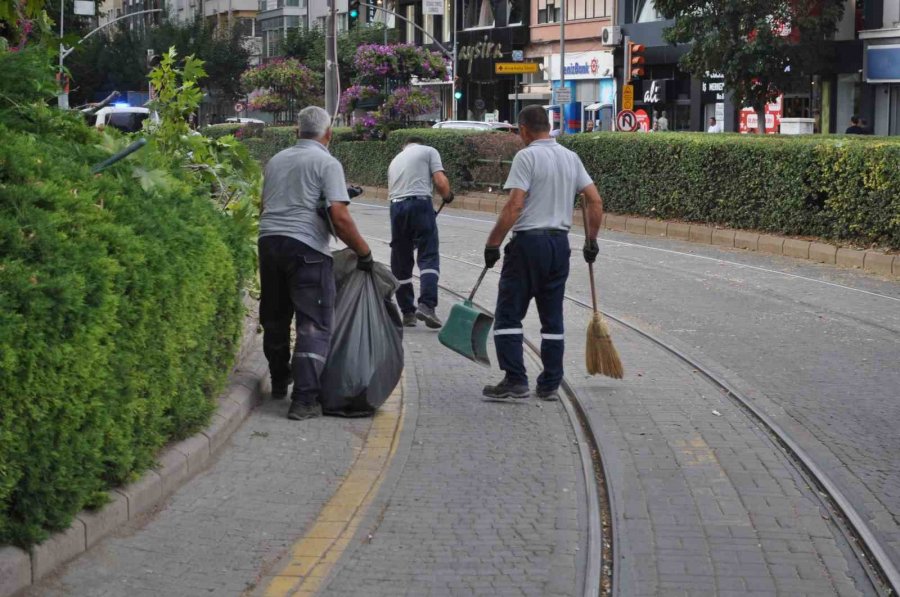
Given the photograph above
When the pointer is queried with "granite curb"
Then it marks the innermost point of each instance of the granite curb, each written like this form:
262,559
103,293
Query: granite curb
176,464
875,262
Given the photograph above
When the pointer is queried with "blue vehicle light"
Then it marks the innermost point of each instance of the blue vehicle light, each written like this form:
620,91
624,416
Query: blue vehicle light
121,105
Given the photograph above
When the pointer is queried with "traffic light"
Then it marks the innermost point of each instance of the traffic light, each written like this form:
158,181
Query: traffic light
458,94
634,60
352,14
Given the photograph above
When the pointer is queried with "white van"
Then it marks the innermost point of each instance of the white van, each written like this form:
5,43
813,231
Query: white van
129,119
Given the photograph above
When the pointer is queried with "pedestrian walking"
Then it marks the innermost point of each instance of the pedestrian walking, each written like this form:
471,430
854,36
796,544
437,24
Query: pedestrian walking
414,233
301,184
543,182
854,128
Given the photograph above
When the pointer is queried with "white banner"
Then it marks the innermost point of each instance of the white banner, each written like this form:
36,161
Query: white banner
433,7
583,65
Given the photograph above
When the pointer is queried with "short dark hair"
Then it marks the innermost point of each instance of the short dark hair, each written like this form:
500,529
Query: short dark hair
535,119
854,119
415,139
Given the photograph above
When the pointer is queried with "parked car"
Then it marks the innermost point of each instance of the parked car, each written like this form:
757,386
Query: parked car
476,125
238,120
129,119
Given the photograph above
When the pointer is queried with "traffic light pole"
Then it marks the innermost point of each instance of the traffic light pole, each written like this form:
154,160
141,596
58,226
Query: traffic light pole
562,62
331,83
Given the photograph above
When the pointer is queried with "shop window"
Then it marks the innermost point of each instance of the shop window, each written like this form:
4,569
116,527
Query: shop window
514,12
428,26
446,22
478,14
548,11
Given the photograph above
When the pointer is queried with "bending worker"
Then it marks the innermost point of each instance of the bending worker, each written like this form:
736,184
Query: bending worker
414,227
295,265
542,184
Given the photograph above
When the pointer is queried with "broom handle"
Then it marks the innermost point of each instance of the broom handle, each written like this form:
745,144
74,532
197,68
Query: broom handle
477,284
590,265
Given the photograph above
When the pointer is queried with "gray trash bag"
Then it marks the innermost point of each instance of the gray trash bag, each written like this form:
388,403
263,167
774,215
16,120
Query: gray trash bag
366,357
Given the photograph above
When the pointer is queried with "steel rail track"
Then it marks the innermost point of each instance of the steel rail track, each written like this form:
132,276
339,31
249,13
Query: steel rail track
882,571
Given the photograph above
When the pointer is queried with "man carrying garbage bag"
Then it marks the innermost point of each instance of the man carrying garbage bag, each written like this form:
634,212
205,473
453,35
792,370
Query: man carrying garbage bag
295,263
414,227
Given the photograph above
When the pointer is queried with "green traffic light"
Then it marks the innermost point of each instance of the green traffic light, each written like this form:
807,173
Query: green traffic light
354,13
458,95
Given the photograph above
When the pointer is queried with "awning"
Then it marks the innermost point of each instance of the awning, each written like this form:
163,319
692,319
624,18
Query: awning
596,106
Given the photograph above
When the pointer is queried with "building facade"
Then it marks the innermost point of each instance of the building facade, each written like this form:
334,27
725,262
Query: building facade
881,73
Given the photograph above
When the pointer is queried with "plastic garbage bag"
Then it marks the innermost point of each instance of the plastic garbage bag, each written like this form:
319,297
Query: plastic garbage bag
366,357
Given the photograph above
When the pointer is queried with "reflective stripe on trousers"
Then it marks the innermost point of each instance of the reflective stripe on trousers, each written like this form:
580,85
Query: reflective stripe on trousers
414,238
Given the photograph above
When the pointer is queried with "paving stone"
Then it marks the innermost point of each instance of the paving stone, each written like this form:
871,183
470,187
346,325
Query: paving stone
656,227
636,225
57,550
701,234
850,258
100,523
678,231
723,237
823,253
796,248
770,244
15,570
879,263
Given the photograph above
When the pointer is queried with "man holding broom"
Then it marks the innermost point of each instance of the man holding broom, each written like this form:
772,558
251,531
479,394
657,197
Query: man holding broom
543,181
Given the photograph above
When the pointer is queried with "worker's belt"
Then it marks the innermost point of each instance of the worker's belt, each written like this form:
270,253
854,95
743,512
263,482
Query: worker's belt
541,232
402,199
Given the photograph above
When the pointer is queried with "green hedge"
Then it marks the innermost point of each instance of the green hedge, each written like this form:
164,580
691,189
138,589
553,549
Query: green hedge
839,188
119,317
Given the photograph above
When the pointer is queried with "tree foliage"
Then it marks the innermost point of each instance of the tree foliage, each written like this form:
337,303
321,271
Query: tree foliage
308,46
757,45
116,60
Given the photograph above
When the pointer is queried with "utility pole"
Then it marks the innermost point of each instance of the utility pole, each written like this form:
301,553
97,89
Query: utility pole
331,83
562,62
62,98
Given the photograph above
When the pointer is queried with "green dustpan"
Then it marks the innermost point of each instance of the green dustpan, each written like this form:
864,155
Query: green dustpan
466,330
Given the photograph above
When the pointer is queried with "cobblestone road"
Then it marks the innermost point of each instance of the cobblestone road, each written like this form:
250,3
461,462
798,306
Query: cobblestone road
707,504
487,502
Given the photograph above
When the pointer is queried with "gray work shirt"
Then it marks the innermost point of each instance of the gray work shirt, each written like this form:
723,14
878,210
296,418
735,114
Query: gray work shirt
295,180
551,176
410,172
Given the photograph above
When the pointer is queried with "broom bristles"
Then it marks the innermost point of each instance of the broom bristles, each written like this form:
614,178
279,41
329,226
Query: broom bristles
601,355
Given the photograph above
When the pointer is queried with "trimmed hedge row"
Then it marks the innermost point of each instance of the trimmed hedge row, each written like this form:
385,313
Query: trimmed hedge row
119,317
839,188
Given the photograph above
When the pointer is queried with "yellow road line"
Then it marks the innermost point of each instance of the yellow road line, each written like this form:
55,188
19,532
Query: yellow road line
315,554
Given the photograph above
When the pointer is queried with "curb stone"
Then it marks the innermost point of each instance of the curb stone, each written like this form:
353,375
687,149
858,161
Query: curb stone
176,465
871,261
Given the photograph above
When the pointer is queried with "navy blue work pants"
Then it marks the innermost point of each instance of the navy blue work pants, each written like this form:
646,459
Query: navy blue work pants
414,229
297,281
535,266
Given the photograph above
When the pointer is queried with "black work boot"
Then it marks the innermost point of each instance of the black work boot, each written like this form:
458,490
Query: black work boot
506,390
280,389
301,410
427,314
547,394
409,320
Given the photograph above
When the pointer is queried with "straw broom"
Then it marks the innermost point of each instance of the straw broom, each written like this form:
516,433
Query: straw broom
600,355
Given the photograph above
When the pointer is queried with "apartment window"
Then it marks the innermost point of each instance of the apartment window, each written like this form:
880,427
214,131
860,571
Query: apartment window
292,22
410,20
246,27
447,22
514,12
548,11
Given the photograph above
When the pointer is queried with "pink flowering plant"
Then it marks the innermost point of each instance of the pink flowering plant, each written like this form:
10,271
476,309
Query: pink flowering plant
408,102
351,96
398,62
285,84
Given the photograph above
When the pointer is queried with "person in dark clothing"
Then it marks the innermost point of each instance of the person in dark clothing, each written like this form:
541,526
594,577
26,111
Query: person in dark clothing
295,264
854,128
543,182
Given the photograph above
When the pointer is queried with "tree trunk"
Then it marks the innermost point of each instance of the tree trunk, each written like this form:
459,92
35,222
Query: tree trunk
761,118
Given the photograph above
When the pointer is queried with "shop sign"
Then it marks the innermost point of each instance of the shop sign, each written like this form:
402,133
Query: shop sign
583,65
655,91
483,50
749,120
432,7
643,120
713,88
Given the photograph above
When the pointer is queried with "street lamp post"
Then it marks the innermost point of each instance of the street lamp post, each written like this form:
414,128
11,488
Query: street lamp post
562,62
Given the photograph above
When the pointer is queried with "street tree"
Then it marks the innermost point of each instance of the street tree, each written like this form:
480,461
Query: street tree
308,46
758,46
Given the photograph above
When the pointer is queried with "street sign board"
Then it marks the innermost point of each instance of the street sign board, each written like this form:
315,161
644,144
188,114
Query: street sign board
626,121
628,97
518,55
433,7
515,68
85,7
563,95
239,107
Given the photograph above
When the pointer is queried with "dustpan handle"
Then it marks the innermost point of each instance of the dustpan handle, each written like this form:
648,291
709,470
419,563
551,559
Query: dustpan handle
477,284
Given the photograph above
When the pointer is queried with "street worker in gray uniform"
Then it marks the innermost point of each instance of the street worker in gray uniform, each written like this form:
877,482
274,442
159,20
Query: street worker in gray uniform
543,181
295,265
414,227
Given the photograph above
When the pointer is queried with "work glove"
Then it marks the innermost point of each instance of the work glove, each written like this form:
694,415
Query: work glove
354,191
491,256
449,198
590,250
365,262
